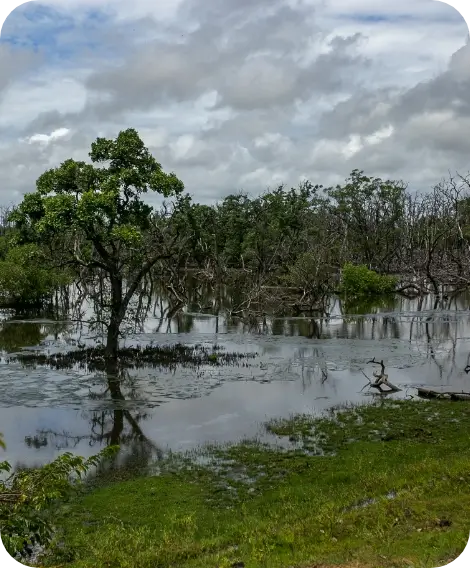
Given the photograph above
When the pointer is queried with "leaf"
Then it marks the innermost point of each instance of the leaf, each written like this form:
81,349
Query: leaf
27,494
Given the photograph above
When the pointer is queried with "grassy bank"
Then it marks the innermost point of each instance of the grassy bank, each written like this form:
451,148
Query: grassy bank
374,486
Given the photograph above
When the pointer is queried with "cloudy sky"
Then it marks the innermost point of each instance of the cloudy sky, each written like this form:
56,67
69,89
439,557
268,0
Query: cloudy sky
238,94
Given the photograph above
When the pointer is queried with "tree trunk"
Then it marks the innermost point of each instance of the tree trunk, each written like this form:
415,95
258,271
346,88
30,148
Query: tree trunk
112,339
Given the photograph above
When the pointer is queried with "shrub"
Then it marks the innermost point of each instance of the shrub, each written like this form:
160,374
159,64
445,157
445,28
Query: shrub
359,281
26,496
25,276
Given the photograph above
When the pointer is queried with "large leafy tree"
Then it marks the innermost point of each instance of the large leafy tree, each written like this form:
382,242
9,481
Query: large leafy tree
92,218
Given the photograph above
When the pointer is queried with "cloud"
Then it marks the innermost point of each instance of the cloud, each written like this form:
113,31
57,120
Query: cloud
48,138
235,94
14,64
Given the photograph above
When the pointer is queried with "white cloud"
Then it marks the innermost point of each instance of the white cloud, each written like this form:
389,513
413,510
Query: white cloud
353,146
48,138
236,94
379,135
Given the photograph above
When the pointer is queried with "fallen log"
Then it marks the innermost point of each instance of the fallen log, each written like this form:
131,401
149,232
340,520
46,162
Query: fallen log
437,395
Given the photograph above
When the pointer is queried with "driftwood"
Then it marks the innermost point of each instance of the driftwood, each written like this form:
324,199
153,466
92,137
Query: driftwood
432,394
381,380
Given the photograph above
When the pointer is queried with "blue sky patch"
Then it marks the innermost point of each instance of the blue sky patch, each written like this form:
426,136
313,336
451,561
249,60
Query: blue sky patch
60,35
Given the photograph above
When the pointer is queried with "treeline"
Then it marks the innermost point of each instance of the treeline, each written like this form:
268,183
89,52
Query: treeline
287,247
365,221
303,237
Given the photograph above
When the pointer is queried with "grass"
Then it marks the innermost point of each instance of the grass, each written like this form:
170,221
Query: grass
383,485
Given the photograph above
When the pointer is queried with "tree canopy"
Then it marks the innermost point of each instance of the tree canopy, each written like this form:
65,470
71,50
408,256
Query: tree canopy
92,217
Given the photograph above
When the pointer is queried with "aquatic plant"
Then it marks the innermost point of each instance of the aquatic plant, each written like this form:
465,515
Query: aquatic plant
159,356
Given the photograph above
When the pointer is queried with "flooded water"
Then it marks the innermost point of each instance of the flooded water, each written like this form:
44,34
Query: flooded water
297,365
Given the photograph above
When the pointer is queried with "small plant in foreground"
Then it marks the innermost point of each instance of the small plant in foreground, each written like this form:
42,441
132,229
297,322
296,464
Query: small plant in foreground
26,495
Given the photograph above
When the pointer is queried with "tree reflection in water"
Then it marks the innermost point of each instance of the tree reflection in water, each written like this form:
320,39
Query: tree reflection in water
118,425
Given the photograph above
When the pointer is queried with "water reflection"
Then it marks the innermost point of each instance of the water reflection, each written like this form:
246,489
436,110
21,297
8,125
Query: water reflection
114,425
303,364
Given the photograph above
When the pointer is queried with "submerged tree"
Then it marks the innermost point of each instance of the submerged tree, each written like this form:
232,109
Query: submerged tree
92,219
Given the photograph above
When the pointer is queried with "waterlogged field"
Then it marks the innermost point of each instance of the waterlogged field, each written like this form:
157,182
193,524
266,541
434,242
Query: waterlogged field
374,486
250,447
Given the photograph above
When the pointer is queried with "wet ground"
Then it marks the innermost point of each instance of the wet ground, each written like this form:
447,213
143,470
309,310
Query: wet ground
292,366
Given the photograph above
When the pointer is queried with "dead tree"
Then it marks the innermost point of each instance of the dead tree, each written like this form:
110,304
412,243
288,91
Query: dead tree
381,379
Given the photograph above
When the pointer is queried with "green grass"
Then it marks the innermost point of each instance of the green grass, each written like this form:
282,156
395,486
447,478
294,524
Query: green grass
391,489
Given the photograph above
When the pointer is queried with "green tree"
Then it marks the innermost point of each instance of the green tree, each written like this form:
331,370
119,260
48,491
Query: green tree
92,219
233,215
370,212
359,281
199,224
276,221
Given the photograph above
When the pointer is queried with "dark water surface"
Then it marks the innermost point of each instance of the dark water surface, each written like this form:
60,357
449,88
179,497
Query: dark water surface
300,366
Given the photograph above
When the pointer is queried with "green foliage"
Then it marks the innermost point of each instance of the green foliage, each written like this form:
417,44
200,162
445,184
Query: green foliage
307,273
26,277
371,211
4,247
200,225
359,281
26,496
101,205
276,227
258,234
92,219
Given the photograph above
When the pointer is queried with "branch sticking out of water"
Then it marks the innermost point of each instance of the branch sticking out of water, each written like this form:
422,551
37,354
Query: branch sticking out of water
381,379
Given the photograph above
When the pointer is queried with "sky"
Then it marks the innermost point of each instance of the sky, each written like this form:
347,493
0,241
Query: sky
237,95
